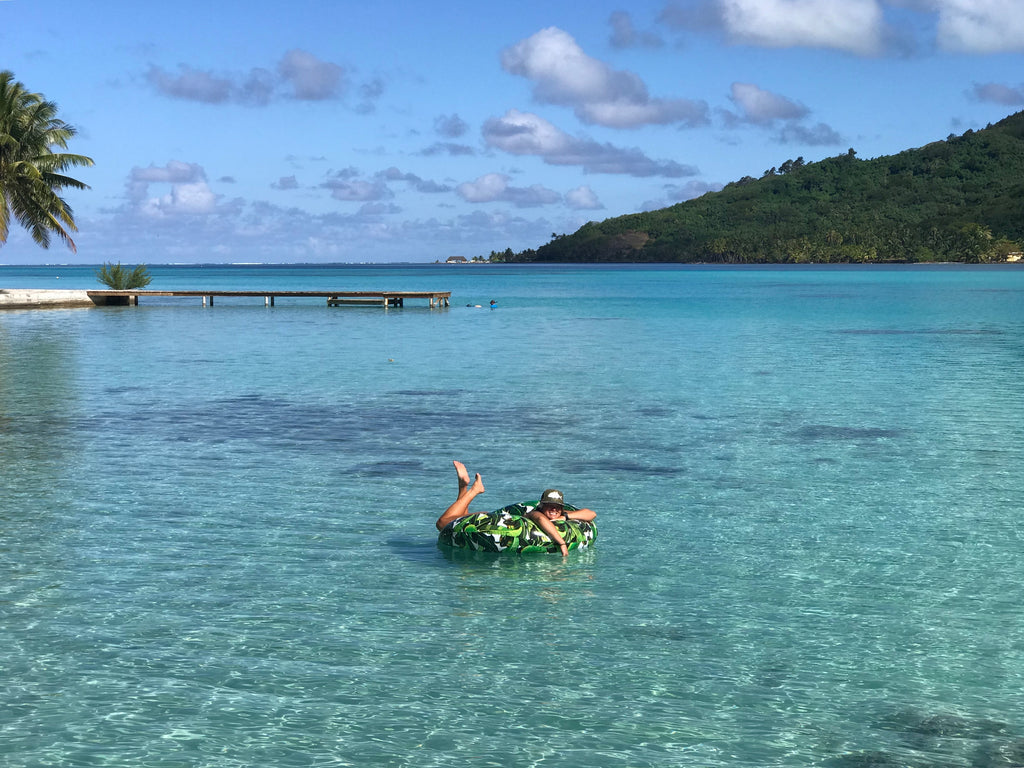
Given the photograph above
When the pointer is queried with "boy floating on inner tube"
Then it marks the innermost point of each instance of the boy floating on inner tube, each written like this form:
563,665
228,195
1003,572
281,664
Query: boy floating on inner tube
551,507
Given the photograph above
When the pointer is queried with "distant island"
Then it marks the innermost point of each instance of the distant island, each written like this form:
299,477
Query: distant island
961,199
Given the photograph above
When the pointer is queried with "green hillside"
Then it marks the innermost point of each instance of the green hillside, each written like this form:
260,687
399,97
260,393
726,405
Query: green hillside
961,199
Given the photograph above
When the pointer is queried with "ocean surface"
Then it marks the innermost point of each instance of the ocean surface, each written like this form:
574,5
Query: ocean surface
217,542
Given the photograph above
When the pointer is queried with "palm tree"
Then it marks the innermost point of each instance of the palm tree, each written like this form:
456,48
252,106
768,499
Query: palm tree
31,173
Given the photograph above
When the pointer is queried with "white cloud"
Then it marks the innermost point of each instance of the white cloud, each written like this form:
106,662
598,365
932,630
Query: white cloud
311,79
563,74
378,209
357,190
583,199
189,193
193,198
855,26
817,135
191,84
448,148
450,126
286,182
763,107
981,26
174,172
768,110
524,133
998,93
299,75
675,193
485,189
625,35
260,231
425,186
494,187
347,185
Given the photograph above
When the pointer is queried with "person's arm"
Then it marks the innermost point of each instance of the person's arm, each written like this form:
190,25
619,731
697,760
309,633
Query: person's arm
549,528
582,514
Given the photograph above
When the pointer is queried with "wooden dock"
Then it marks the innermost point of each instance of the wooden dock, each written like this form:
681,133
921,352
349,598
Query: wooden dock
334,298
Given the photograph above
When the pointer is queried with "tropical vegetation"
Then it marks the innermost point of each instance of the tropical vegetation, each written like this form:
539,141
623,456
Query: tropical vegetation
31,172
961,199
120,278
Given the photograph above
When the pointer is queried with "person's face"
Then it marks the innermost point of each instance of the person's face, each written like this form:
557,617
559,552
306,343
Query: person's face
553,511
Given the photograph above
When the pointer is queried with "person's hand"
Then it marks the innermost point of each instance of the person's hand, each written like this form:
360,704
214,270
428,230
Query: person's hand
565,549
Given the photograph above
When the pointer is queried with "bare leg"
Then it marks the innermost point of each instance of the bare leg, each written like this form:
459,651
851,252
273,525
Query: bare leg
460,507
460,470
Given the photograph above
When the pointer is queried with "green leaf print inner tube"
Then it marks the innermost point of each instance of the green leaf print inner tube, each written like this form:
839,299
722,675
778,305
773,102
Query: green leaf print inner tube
507,530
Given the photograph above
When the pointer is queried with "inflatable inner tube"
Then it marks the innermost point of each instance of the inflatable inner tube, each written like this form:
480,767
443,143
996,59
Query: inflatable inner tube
506,530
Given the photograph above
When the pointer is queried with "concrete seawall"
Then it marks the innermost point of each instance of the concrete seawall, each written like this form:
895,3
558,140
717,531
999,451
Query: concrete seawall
31,298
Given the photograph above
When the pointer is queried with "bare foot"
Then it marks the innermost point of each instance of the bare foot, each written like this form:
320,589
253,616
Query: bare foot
478,485
460,470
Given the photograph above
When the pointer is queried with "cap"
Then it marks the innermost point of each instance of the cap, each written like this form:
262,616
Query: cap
553,497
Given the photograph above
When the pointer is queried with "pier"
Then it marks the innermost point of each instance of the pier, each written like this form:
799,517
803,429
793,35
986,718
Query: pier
334,298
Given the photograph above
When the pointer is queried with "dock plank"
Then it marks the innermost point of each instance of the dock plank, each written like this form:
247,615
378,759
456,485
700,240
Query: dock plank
334,298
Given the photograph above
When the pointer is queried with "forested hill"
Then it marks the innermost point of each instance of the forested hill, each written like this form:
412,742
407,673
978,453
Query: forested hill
961,199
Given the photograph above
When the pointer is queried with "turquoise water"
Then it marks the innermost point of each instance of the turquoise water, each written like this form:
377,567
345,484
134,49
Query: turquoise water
217,542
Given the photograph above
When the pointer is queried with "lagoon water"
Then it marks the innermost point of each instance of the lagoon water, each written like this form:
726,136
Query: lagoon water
217,543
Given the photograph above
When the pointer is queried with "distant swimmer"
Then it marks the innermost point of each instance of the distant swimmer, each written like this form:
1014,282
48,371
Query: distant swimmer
493,303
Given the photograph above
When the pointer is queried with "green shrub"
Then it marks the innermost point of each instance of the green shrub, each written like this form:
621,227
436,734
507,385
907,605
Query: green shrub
120,278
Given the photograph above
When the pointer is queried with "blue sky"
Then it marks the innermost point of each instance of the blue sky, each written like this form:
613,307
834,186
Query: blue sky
308,131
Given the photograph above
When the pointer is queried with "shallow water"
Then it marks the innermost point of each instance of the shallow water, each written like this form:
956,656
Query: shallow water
217,541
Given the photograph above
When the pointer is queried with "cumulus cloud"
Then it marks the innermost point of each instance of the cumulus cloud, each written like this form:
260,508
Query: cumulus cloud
997,93
450,126
344,187
819,135
763,107
855,26
524,133
298,75
448,148
625,35
261,231
191,84
425,186
675,193
189,194
347,185
286,182
310,78
583,199
563,74
849,25
495,187
378,209
980,26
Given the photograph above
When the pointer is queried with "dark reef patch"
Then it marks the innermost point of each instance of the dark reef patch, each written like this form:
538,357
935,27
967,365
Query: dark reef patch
813,432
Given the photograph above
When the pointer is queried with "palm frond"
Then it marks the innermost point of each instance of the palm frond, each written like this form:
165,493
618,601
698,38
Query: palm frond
31,172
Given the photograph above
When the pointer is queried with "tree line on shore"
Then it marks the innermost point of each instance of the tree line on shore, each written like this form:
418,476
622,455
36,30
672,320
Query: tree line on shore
961,199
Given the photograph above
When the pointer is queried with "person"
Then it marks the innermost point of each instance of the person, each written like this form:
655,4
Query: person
550,507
